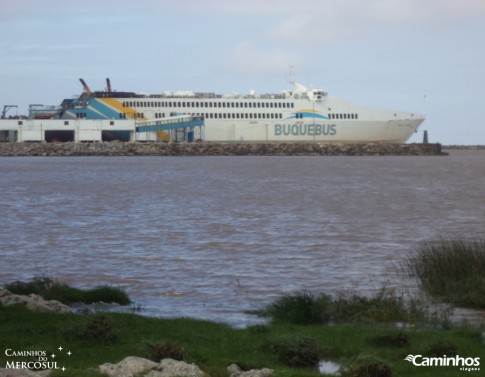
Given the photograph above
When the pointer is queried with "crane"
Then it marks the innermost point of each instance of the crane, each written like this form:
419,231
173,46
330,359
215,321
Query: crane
6,108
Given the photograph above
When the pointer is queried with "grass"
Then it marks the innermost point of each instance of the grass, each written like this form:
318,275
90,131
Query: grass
383,307
291,350
52,289
451,270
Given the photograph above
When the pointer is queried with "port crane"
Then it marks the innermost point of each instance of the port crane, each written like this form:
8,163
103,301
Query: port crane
6,108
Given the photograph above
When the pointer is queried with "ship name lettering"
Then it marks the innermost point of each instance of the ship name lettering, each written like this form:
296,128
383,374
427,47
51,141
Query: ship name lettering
316,129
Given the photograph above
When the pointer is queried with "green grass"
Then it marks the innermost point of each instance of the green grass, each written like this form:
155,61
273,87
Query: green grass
382,307
52,289
451,270
214,346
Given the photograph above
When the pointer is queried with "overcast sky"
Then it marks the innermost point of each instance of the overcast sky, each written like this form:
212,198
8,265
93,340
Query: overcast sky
412,55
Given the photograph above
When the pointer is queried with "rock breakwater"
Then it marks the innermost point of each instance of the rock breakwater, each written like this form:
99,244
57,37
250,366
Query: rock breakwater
216,149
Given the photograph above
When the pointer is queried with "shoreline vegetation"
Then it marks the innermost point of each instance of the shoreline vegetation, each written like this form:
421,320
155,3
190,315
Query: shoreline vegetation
365,336
452,271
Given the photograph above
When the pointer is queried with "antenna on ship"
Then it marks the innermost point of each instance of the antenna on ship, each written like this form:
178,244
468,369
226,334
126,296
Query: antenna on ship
291,74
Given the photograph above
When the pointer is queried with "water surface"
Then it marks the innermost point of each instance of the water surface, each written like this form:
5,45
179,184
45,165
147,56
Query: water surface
210,237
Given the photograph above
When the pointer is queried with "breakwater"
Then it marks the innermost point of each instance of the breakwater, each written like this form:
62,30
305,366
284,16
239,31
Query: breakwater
216,149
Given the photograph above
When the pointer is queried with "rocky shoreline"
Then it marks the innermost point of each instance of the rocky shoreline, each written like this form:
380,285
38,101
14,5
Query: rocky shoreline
216,149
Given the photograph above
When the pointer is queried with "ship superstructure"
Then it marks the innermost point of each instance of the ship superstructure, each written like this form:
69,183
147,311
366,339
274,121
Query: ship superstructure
303,114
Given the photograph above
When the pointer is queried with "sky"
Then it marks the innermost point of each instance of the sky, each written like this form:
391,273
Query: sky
423,56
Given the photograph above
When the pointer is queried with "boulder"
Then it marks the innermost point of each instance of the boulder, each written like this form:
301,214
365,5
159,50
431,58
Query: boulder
128,367
235,371
22,373
174,368
33,302
136,366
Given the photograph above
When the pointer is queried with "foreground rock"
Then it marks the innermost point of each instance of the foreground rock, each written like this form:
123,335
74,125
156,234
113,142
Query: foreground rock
235,371
133,366
136,366
33,302
22,373
216,149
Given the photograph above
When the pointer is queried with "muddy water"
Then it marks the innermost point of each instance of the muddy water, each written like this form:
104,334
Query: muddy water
210,237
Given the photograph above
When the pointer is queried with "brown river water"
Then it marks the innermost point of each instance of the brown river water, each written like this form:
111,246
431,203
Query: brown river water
210,237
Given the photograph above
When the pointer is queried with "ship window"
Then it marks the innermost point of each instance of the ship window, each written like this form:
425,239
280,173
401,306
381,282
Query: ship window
66,123
356,116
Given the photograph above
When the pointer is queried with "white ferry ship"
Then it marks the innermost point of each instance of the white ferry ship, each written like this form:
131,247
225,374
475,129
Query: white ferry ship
303,114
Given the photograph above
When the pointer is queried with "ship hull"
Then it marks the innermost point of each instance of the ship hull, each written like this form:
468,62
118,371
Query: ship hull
268,120
386,131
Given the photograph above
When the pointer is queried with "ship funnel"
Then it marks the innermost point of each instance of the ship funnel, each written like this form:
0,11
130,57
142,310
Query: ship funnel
108,85
86,87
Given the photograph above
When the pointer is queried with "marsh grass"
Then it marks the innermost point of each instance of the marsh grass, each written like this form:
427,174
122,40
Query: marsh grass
52,289
451,270
383,307
299,308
